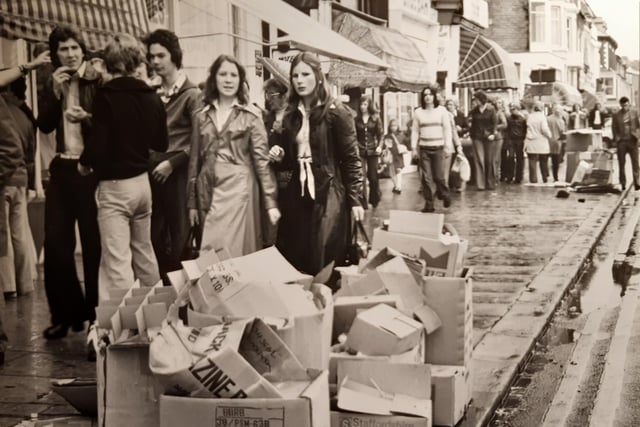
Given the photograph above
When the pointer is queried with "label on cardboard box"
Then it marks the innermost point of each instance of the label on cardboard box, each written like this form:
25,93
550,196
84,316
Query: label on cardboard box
229,416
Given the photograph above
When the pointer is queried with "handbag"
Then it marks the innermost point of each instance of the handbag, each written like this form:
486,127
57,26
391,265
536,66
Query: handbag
192,246
359,244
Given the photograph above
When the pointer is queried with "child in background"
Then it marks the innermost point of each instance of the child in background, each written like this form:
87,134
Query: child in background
392,157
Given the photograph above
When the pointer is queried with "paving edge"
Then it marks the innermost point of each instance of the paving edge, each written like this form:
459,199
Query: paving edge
519,333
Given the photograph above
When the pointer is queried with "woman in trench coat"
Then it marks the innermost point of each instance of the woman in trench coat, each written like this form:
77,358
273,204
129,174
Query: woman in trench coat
229,165
321,161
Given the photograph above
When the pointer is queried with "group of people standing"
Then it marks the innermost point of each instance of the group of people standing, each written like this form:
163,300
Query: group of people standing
140,168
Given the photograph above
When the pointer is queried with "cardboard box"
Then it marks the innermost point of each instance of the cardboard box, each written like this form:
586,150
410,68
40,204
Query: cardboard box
128,393
383,330
451,299
310,408
346,309
583,140
349,419
450,393
443,256
418,223
599,160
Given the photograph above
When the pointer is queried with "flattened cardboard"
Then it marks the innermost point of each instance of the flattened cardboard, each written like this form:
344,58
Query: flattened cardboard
309,409
451,299
349,419
418,223
450,394
382,331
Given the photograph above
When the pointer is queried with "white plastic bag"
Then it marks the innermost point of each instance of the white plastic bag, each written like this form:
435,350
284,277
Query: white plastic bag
461,165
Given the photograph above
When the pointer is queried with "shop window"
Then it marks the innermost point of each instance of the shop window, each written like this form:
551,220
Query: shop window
377,8
606,85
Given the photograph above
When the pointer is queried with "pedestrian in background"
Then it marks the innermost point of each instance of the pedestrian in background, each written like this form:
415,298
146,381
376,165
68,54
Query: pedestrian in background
536,144
577,118
369,133
275,99
513,164
597,116
462,129
229,164
453,148
181,99
325,189
392,152
483,136
70,197
18,267
558,127
501,127
626,133
129,120
431,130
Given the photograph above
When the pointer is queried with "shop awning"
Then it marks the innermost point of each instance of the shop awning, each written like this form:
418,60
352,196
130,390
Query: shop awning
559,92
33,20
278,69
408,69
484,64
306,34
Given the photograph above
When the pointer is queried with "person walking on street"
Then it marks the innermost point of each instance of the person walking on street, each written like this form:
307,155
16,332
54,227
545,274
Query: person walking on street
515,135
536,144
501,127
325,187
129,120
182,99
18,267
431,130
484,122
392,152
369,133
626,133
558,127
577,118
453,148
597,117
70,197
229,165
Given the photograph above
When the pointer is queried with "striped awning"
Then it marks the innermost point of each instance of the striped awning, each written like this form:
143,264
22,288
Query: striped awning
484,64
33,20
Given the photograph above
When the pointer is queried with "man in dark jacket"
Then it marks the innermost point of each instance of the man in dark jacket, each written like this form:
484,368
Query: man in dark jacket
70,197
181,98
626,132
516,133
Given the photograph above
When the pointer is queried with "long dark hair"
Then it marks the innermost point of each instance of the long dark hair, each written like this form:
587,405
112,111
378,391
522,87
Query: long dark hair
371,109
434,91
320,93
210,88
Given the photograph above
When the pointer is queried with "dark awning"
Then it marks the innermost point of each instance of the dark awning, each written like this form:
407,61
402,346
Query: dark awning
408,69
484,64
559,92
33,20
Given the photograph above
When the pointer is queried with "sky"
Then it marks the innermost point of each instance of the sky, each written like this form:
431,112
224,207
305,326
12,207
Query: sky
623,23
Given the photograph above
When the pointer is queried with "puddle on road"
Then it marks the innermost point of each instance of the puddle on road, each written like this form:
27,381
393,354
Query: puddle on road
533,388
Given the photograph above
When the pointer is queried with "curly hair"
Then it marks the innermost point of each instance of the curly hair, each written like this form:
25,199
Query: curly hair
123,54
62,34
169,41
210,87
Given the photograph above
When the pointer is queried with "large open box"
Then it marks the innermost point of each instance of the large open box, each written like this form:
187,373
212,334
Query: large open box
599,160
128,393
309,409
584,140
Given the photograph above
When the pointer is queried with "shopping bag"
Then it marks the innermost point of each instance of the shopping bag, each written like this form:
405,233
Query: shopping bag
462,167
359,245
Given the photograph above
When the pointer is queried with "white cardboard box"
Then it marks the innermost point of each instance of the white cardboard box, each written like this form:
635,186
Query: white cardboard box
449,394
451,299
346,309
309,409
128,393
382,331
418,223
351,419
444,256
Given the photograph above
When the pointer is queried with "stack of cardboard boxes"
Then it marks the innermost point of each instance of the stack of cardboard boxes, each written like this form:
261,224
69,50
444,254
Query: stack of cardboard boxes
403,328
587,161
252,341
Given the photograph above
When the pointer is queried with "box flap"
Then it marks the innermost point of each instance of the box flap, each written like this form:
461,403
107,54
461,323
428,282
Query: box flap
405,378
411,222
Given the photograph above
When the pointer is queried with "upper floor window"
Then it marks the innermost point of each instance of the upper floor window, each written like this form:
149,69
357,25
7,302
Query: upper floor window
537,22
556,26
571,34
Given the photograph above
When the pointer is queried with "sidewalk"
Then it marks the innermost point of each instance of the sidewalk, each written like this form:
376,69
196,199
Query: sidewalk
526,247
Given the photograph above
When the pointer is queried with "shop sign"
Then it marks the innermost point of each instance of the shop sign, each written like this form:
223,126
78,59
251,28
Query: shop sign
476,11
